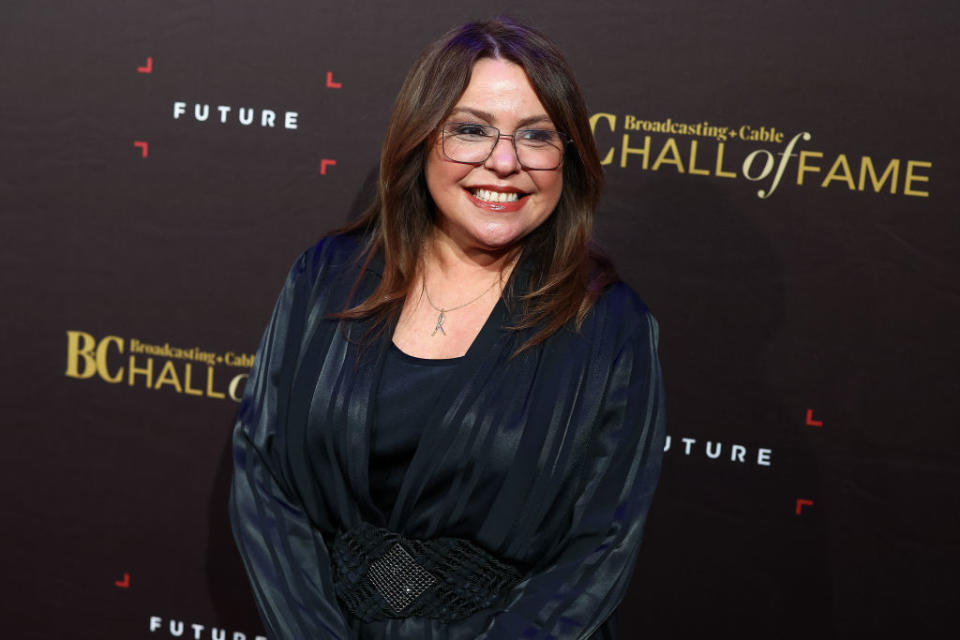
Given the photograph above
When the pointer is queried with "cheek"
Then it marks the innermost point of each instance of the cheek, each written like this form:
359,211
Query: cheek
551,186
443,176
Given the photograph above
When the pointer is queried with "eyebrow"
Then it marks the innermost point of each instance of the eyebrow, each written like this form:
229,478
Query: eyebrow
490,118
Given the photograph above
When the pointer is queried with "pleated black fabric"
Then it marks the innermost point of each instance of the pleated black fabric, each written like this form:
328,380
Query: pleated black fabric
548,460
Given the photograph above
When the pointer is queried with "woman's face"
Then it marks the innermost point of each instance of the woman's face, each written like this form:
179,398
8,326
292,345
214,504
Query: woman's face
467,196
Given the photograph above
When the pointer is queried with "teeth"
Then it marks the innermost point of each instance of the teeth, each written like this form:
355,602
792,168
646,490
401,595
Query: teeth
495,196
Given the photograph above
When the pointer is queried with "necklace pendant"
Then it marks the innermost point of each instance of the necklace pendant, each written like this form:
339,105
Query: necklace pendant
439,327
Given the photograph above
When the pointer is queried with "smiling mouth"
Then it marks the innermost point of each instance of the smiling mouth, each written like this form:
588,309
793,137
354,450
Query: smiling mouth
488,195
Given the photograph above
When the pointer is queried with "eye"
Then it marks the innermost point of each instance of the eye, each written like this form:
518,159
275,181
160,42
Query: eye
468,130
538,137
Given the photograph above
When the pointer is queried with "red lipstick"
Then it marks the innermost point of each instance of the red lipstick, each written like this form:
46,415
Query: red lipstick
500,207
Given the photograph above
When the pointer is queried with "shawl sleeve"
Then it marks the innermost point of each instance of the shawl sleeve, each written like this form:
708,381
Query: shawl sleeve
579,586
285,555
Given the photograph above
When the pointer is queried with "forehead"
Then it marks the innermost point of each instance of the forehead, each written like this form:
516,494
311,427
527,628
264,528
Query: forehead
502,90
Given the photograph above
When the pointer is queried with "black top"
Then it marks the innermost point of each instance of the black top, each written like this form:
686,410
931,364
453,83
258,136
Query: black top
408,390
546,459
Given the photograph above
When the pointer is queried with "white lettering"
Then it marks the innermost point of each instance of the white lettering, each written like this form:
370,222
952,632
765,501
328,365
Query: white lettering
236,391
763,457
246,116
177,629
784,159
737,452
714,450
716,454
748,162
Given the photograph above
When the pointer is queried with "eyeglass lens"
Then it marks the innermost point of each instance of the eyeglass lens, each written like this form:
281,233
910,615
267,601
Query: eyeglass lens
473,143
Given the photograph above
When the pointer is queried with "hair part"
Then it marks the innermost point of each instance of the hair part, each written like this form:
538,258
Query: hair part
567,273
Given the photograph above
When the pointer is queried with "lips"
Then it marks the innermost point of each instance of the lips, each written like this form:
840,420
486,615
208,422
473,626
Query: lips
497,198
490,195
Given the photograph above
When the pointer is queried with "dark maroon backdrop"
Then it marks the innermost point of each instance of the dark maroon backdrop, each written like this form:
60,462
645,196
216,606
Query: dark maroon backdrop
809,336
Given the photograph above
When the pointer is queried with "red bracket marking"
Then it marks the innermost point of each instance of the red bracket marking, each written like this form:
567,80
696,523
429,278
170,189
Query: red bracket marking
143,147
324,163
125,583
331,83
811,422
147,68
801,503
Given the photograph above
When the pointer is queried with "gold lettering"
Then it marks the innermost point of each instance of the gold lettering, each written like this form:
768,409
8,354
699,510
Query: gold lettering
802,165
234,360
693,161
102,359
720,173
80,345
186,382
626,149
910,178
671,146
210,392
133,370
892,171
168,375
612,120
840,163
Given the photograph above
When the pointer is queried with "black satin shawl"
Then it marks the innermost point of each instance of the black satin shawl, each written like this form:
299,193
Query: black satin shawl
548,460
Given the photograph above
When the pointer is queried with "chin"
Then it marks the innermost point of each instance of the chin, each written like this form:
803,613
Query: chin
499,239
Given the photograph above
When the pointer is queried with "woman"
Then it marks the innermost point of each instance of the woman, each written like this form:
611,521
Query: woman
454,424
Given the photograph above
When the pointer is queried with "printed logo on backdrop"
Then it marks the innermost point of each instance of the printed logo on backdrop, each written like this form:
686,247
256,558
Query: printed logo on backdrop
228,114
157,366
173,628
722,452
764,155
201,111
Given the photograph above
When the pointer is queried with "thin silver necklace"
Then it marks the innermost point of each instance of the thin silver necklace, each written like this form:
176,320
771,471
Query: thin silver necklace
443,312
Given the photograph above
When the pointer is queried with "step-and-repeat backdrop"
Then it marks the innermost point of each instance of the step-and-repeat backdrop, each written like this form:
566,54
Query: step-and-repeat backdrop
781,190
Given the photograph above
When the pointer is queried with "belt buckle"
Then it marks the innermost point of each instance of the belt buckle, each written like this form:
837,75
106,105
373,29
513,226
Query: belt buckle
398,578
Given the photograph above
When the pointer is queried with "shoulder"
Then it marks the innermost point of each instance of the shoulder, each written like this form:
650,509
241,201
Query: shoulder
619,313
333,252
324,274
335,258
620,300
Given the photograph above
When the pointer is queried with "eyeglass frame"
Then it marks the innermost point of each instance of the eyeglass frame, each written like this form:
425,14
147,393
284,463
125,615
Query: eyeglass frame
513,139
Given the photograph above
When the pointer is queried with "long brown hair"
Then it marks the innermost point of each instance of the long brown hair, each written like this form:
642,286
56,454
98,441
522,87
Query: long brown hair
566,272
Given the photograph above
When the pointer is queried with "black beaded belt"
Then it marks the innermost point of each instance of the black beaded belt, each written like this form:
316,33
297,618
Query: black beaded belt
378,575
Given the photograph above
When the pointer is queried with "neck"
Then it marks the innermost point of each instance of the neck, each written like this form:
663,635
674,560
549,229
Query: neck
464,263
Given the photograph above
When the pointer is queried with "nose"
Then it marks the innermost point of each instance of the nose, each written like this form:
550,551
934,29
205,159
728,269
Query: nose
503,160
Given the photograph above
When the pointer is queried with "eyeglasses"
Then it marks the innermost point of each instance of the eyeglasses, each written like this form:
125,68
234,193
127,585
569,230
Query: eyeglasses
472,143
